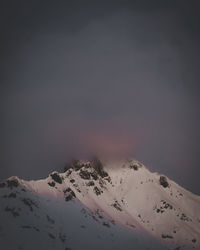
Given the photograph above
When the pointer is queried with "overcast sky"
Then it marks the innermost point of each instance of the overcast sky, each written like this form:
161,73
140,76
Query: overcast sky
115,77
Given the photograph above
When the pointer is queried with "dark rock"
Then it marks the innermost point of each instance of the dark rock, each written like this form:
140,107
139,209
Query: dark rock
84,174
55,176
117,206
98,213
194,240
90,183
135,167
69,194
167,205
108,179
78,190
12,210
26,227
106,224
101,183
68,197
97,191
94,217
163,181
184,217
166,236
52,184
50,220
94,175
72,180
62,237
67,190
36,229
98,166
28,202
51,236
68,172
12,183
130,225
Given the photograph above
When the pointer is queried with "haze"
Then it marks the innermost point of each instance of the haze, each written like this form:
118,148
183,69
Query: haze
112,77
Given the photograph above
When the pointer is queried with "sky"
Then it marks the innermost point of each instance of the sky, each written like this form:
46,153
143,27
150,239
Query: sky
80,78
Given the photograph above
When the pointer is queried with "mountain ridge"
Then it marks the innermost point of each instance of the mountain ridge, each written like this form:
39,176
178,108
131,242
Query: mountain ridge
124,193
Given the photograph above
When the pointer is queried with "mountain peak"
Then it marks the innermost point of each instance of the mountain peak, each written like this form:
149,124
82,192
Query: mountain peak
126,193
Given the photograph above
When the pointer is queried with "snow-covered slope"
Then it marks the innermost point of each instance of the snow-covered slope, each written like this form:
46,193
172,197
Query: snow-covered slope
99,205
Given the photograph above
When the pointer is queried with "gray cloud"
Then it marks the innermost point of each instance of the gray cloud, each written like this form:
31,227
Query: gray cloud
109,73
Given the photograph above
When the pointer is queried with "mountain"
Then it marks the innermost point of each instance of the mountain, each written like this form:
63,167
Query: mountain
107,204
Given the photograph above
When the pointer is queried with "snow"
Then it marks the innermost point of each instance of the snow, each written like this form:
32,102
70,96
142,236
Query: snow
127,208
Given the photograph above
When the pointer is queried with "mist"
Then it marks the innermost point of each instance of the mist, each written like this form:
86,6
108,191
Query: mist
109,77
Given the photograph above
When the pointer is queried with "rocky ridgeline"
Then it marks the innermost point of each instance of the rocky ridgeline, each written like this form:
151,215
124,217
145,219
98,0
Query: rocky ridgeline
95,164
89,182
92,172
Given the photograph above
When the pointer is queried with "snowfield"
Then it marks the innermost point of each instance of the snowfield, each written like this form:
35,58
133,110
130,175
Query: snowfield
99,205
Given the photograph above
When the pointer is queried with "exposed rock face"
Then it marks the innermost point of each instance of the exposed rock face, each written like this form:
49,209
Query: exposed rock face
52,184
98,166
12,182
98,198
163,181
84,174
56,177
69,194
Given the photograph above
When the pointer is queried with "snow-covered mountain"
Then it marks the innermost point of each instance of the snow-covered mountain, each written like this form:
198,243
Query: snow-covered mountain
99,205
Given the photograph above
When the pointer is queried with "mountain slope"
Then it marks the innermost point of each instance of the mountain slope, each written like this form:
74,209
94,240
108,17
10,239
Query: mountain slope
105,204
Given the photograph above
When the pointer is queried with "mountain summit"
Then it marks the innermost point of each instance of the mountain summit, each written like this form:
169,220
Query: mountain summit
99,204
